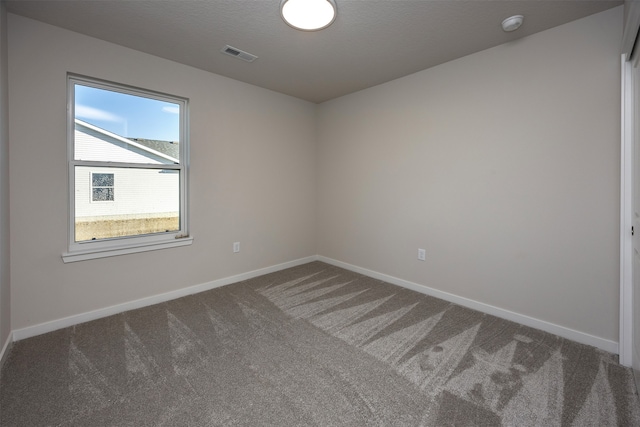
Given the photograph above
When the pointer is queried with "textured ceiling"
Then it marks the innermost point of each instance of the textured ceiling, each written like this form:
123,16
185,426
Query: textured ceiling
371,41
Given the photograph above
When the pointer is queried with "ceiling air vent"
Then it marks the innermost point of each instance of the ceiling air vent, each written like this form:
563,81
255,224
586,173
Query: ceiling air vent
240,54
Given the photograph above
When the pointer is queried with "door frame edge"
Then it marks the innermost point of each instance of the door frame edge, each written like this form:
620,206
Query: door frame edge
625,345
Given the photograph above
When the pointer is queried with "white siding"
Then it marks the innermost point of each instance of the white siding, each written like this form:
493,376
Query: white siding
136,192
94,146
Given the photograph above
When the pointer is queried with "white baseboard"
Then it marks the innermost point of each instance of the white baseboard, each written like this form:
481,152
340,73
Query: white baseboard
43,328
4,353
581,337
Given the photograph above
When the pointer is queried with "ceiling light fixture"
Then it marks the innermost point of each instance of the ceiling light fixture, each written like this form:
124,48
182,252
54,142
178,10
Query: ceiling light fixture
308,15
512,23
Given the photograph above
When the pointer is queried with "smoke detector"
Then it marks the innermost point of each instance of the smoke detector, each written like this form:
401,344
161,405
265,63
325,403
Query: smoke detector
512,23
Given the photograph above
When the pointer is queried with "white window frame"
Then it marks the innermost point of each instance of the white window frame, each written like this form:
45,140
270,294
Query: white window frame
80,251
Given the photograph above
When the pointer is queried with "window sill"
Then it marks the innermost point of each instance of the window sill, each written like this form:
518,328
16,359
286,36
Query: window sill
84,255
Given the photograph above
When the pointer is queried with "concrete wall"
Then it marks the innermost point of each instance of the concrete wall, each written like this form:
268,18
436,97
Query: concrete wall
252,177
503,165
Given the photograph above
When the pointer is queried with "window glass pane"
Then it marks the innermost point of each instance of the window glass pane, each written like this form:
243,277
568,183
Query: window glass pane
102,179
102,194
147,202
118,127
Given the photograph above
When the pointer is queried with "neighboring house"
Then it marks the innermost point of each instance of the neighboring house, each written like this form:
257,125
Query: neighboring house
117,201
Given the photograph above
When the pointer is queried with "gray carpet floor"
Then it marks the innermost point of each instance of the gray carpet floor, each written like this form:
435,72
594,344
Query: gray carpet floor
313,345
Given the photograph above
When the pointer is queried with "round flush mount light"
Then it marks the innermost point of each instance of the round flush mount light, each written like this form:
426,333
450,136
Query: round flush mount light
512,23
308,15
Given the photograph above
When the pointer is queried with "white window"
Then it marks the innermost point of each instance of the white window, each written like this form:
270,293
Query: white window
102,187
128,157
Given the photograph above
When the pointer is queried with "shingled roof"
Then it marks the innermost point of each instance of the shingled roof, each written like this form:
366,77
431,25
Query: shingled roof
170,148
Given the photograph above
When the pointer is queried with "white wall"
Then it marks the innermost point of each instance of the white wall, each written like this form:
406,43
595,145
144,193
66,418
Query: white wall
503,165
252,177
5,296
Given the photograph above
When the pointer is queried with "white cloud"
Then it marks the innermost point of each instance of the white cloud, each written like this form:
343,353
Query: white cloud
84,112
171,110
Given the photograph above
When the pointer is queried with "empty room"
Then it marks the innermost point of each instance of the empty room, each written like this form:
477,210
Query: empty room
389,212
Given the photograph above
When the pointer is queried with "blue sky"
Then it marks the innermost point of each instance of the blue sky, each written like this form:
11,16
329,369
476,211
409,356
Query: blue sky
127,115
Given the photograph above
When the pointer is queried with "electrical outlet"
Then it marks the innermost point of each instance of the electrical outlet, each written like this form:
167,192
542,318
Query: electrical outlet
422,254
236,247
